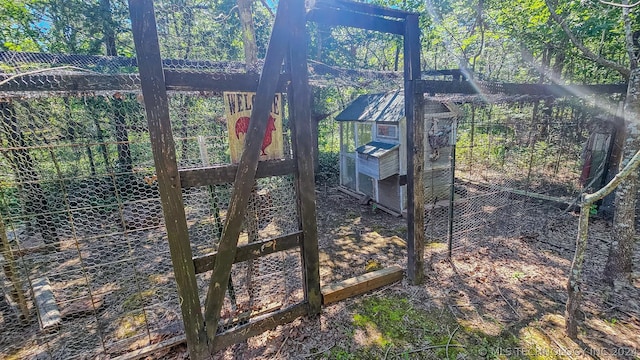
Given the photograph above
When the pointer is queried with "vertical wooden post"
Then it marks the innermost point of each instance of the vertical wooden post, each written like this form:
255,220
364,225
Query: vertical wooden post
12,273
145,36
302,131
415,151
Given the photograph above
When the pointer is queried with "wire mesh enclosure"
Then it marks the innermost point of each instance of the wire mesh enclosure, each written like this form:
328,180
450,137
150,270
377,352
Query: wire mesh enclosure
86,266
510,159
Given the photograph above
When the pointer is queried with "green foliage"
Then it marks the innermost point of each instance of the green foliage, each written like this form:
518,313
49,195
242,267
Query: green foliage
341,354
489,149
17,32
9,199
328,168
399,323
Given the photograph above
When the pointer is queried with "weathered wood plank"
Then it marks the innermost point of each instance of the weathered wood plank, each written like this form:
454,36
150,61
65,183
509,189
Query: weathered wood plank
223,340
224,174
251,251
551,90
415,153
360,284
259,325
152,349
12,273
145,37
387,210
245,176
20,57
363,7
217,82
208,82
80,82
302,142
48,311
335,17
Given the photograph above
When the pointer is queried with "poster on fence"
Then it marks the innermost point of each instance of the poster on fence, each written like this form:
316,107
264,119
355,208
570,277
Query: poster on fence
238,106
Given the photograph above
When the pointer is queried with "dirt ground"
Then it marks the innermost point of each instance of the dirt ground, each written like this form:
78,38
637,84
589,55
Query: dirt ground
501,295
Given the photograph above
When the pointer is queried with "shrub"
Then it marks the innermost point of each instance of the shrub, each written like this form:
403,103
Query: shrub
328,168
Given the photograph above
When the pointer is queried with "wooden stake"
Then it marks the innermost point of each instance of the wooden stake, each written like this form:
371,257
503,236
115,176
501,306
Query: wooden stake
11,271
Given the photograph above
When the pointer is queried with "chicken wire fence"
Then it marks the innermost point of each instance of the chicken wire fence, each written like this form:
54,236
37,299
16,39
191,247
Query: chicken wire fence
510,159
86,265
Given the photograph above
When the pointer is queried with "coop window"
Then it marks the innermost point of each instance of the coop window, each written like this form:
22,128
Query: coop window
364,134
387,131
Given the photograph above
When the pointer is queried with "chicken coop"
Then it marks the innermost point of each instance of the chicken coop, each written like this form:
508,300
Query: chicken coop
373,149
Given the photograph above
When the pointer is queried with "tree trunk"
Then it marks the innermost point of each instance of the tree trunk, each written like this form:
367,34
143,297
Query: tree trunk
574,285
122,134
107,25
91,107
619,261
35,201
556,74
248,32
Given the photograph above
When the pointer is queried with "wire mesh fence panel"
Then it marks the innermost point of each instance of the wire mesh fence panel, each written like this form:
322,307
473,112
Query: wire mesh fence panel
512,157
85,256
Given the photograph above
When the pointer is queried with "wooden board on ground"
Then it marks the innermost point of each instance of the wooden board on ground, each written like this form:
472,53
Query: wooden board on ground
45,302
387,210
360,284
80,307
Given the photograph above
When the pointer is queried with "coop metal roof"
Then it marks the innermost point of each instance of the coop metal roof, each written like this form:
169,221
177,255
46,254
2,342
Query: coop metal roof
384,107
376,148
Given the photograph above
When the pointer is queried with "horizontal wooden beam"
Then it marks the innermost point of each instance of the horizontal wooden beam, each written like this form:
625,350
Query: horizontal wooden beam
360,284
224,174
552,90
152,349
216,82
259,325
362,7
90,61
174,80
318,68
251,251
223,340
70,82
335,17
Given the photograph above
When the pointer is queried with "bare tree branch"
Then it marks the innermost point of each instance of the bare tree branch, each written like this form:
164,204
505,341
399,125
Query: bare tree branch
580,45
632,165
626,6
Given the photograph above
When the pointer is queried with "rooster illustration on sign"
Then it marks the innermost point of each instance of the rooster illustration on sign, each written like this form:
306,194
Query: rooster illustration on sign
242,126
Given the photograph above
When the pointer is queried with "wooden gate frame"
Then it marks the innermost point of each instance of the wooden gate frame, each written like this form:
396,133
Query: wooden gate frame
404,23
288,43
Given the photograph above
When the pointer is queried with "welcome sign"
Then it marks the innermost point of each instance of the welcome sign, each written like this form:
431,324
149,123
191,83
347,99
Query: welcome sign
238,106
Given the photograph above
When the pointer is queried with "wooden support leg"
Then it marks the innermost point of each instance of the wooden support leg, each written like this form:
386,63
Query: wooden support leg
302,131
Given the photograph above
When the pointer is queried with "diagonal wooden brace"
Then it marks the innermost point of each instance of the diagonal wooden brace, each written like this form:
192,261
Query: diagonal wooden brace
245,176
